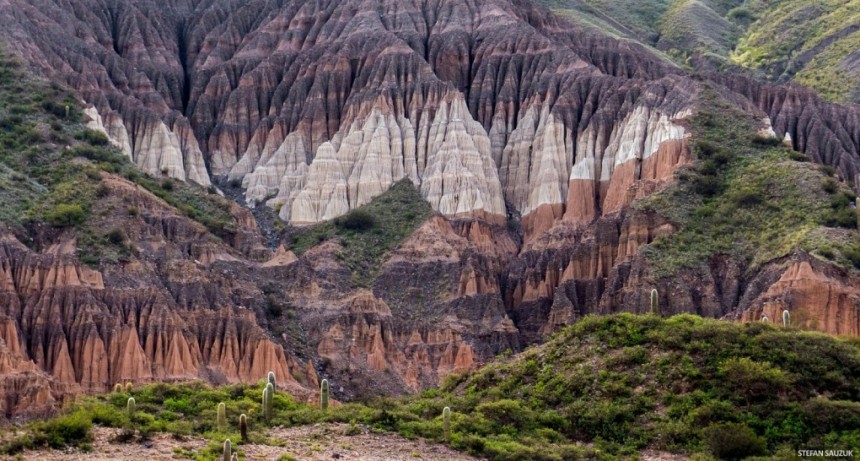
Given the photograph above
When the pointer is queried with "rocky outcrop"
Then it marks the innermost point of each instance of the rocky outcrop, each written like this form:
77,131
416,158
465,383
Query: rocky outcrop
181,307
818,296
490,107
827,132
317,108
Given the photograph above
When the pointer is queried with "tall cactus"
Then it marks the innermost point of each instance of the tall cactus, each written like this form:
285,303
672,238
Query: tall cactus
271,378
268,396
128,387
446,423
130,407
655,306
228,451
243,427
324,394
117,388
222,417
857,210
786,318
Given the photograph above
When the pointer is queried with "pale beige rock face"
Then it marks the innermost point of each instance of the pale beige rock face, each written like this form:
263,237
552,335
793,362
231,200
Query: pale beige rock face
325,194
447,155
111,126
158,150
542,160
264,179
460,176
639,136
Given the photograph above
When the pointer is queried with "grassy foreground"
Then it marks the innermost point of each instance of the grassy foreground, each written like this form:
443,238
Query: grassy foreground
605,388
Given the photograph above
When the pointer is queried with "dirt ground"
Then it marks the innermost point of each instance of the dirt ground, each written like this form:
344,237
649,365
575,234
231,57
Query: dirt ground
312,443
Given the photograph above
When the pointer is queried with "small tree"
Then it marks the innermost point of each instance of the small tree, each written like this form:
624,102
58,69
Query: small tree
732,441
65,215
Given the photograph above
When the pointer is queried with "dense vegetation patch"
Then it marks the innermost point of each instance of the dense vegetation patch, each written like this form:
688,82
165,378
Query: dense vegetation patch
367,233
750,197
604,388
52,166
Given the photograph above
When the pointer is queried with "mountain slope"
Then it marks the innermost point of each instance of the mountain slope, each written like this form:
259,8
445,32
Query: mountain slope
813,43
438,182
106,274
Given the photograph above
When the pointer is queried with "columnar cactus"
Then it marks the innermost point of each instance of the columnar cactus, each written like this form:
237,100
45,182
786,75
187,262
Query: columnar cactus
324,394
786,318
764,319
243,427
228,451
128,387
271,378
655,306
235,456
130,407
446,423
268,395
117,388
222,417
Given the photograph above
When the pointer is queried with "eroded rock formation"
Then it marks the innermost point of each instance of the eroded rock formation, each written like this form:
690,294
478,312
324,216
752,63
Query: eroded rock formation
527,135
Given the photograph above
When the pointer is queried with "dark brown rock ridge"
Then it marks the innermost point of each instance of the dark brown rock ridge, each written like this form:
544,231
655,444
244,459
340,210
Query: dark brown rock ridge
490,107
278,93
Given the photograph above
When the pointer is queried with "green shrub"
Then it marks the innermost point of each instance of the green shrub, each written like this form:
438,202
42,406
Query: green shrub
96,138
732,441
766,141
799,156
506,412
853,254
827,170
707,186
72,430
740,14
357,220
116,236
831,415
753,379
65,215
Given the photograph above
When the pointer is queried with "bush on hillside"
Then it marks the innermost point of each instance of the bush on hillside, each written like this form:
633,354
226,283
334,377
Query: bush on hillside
357,220
65,215
733,441
753,379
